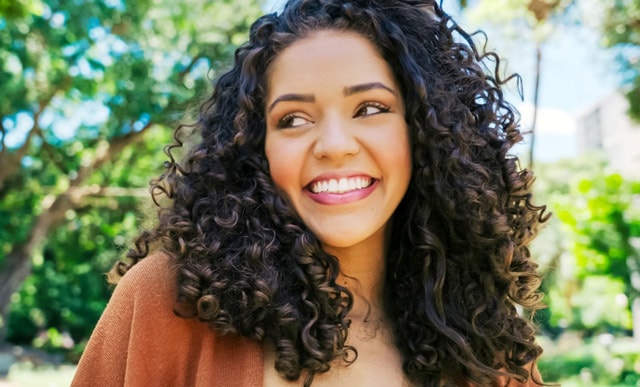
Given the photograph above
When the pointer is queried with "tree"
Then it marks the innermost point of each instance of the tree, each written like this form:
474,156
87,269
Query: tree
605,223
12,9
621,30
90,92
589,251
581,291
534,16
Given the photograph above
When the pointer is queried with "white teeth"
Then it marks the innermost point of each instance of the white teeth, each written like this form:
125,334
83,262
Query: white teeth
342,185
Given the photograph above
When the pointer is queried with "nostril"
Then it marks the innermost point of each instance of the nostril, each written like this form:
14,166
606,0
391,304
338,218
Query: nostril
336,143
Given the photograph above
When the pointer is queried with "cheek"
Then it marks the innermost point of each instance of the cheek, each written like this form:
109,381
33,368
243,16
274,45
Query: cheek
279,175
400,158
397,149
281,166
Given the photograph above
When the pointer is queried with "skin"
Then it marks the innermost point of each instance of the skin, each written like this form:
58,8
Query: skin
334,112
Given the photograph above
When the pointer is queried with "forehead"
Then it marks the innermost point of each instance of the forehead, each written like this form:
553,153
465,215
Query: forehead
329,55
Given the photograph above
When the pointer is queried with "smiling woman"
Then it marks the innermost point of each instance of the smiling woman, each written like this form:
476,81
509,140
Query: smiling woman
349,215
340,154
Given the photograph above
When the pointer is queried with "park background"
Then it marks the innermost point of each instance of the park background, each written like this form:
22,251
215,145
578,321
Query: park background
90,92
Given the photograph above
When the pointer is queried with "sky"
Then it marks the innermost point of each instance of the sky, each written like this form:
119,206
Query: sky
576,74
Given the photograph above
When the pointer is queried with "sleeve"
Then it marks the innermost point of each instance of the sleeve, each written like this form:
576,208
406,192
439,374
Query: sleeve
139,341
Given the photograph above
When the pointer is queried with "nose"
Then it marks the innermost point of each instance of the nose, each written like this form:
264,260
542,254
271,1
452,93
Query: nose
335,139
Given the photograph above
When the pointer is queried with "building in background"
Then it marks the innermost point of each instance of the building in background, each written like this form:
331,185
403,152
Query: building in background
607,128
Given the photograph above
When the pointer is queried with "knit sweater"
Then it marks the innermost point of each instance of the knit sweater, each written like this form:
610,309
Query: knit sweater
140,342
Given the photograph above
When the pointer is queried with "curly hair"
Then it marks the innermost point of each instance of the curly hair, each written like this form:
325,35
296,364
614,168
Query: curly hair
458,267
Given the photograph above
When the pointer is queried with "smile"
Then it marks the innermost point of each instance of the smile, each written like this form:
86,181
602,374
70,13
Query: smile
338,186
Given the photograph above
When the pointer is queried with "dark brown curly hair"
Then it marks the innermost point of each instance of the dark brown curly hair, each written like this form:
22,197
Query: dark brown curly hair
458,267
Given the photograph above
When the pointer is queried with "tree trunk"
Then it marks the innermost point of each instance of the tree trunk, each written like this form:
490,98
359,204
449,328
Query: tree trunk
635,317
17,264
15,269
536,102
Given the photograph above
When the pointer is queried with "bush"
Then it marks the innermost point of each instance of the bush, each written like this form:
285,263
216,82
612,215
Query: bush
604,360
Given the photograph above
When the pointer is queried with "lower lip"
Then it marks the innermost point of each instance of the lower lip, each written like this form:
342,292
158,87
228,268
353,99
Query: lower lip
342,198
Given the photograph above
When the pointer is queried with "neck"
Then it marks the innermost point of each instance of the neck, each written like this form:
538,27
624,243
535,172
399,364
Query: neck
362,272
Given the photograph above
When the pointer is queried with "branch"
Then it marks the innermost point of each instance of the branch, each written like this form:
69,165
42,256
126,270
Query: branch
16,264
106,150
76,194
3,134
50,150
11,160
633,23
189,67
54,207
121,192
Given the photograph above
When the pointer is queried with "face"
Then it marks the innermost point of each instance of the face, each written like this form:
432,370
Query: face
337,141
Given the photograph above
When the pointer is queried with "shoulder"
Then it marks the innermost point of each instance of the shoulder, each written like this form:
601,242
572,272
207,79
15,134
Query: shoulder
141,304
146,291
139,339
153,275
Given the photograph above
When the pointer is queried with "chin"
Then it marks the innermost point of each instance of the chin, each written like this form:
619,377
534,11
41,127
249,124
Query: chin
350,241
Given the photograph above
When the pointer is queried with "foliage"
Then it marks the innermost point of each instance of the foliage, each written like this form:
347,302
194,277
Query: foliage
11,9
68,292
515,17
588,251
605,360
605,219
621,29
91,92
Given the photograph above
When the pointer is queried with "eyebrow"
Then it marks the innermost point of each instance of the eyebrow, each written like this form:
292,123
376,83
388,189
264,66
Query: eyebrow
349,90
292,97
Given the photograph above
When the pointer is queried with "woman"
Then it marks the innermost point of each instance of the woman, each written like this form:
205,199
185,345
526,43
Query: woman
349,216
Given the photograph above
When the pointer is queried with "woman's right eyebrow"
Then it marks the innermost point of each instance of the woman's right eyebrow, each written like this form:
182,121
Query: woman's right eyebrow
292,97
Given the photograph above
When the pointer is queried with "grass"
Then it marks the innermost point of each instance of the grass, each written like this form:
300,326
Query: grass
26,375
571,361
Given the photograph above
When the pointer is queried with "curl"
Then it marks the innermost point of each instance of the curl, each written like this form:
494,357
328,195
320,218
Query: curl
458,262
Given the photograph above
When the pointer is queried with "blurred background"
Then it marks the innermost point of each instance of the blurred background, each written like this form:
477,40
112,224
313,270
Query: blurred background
90,92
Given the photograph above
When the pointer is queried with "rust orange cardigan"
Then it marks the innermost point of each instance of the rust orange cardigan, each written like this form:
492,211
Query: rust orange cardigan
140,342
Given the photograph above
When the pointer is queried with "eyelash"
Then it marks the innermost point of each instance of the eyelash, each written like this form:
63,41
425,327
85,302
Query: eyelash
286,121
382,108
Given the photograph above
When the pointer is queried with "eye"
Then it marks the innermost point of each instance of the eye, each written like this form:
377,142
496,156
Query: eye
370,109
291,121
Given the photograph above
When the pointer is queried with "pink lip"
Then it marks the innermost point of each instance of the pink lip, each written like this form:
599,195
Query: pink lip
341,198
